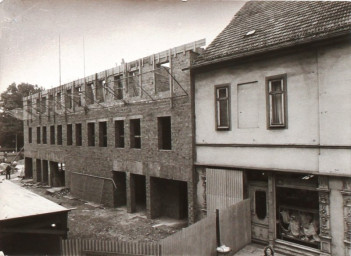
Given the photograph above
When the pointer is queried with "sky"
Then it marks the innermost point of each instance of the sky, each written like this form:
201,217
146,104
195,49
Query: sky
97,34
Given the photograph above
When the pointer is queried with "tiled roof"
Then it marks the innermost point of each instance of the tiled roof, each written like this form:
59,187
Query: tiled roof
277,24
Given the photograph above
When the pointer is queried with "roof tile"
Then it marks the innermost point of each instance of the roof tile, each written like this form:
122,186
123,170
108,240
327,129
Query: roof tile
277,24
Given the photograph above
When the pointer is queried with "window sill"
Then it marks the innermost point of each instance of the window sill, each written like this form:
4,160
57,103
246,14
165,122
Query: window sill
222,129
277,127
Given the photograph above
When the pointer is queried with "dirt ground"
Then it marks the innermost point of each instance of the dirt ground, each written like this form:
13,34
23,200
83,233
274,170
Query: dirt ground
91,221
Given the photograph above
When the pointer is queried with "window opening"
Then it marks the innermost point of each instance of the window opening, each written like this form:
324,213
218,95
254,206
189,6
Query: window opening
29,109
51,103
69,99
119,134
58,100
59,135
102,134
222,107
118,87
69,135
78,96
276,93
43,105
30,135
133,83
38,107
44,135
99,90
38,135
135,138
89,94
164,133
162,77
78,134
52,135
91,134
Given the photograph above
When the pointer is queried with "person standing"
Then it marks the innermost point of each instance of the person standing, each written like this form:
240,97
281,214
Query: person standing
8,172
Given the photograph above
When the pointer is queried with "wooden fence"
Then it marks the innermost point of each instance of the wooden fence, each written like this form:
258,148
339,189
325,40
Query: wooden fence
197,239
200,238
90,247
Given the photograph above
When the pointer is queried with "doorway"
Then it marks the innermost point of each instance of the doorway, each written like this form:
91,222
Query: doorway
120,193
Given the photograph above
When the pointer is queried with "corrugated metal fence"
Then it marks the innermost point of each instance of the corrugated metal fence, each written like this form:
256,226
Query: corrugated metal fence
82,247
224,188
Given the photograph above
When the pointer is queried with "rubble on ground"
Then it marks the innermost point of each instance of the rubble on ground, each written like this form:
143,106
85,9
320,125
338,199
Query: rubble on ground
93,221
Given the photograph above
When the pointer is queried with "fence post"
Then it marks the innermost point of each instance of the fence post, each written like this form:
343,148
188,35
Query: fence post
218,233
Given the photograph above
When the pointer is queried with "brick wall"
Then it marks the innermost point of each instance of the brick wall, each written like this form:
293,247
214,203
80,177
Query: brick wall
98,161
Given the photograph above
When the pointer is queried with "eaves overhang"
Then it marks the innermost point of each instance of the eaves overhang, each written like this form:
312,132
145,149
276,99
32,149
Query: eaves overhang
272,48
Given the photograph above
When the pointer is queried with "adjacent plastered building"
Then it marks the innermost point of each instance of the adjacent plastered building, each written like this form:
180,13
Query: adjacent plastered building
273,115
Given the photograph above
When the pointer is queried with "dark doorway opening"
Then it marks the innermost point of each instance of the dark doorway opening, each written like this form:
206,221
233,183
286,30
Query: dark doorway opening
169,198
45,171
120,194
140,192
38,169
28,168
57,174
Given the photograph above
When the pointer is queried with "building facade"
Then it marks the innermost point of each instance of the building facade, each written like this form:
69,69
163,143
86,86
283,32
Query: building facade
123,136
273,113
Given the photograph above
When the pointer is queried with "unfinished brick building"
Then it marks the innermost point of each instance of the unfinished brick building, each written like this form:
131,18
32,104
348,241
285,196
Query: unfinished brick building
123,136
